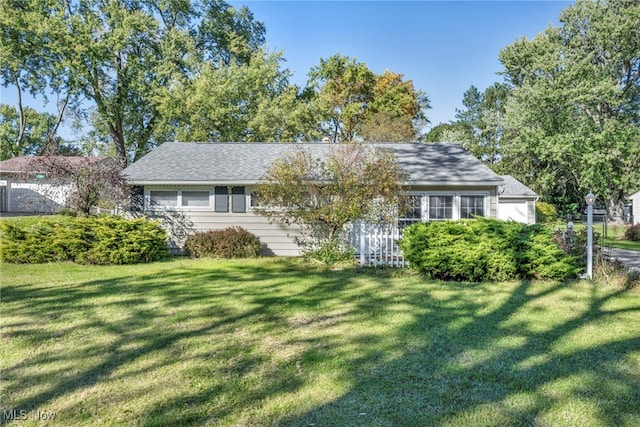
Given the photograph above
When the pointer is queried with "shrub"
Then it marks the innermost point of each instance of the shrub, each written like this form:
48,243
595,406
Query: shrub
232,242
331,253
120,241
107,240
632,233
485,250
546,212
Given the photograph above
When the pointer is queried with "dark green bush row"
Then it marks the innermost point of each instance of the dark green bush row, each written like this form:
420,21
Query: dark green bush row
632,233
485,250
232,242
93,240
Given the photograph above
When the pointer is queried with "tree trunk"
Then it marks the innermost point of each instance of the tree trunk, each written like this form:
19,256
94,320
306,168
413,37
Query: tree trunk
117,135
615,208
21,116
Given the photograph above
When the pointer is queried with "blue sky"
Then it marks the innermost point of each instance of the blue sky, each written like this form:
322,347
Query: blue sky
442,46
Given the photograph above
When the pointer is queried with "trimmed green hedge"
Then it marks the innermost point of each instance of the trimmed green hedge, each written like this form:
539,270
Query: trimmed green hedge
93,240
232,242
485,250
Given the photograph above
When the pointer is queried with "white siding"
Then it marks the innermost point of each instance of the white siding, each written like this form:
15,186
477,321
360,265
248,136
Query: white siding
519,210
277,237
36,197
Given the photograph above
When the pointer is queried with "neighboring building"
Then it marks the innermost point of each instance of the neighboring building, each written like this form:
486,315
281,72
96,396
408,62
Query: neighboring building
34,184
210,184
635,208
517,202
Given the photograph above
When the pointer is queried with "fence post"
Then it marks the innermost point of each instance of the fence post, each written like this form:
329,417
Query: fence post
362,244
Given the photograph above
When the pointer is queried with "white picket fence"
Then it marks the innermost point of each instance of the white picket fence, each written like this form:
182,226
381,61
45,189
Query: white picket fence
376,245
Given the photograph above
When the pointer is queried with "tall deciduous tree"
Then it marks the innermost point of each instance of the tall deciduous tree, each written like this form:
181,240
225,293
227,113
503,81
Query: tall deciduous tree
118,54
575,106
396,112
250,101
357,104
344,89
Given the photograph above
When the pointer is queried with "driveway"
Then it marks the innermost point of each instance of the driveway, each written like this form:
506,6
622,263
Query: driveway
629,258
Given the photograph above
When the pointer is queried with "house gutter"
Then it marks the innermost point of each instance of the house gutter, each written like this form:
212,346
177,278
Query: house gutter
252,182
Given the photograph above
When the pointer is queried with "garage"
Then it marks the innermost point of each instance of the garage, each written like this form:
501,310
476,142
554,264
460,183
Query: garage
516,202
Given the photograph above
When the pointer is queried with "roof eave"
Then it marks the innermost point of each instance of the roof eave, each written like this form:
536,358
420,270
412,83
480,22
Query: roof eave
252,182
156,182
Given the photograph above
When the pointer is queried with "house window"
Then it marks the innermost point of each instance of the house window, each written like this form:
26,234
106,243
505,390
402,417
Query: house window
192,199
163,198
440,208
221,199
410,211
471,206
238,200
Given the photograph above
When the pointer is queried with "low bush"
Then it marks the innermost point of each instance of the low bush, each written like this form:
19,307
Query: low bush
546,212
632,233
485,250
105,240
232,242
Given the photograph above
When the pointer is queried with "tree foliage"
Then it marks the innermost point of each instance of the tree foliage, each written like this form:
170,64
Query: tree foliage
93,181
357,104
324,194
397,111
28,132
574,111
118,55
247,102
482,122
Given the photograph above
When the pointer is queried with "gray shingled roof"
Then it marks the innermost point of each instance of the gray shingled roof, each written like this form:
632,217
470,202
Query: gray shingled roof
245,163
514,188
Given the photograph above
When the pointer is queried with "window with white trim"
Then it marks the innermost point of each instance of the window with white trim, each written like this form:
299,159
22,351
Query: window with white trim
163,198
410,211
471,206
160,199
440,207
192,198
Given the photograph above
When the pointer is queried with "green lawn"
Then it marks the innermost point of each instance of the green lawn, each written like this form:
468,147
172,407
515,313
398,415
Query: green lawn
275,342
614,239
614,234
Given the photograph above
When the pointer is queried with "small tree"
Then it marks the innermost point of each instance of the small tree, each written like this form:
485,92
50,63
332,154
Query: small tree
323,195
93,181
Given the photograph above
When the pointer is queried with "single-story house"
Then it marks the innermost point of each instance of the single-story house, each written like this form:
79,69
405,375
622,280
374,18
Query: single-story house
210,184
517,202
37,184
635,208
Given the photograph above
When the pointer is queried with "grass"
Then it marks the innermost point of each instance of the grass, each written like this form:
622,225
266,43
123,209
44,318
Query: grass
615,239
276,342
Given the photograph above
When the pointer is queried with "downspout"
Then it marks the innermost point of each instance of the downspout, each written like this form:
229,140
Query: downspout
7,195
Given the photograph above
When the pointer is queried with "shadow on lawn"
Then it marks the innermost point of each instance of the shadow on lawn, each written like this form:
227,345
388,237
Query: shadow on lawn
452,379
460,354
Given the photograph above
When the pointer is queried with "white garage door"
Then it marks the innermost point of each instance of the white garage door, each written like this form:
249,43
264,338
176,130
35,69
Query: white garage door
513,210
